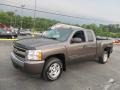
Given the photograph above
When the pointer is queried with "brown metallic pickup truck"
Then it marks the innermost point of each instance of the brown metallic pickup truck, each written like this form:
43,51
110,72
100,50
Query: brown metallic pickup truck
49,53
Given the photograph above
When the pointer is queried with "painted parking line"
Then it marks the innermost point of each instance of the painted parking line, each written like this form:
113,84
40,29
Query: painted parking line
5,39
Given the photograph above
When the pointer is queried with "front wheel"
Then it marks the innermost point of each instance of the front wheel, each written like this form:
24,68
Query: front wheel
52,69
104,58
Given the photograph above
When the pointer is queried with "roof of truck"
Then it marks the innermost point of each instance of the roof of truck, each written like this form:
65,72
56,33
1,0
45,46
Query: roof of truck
66,26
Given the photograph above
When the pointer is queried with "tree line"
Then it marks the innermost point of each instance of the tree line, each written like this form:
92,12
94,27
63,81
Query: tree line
111,30
11,19
42,24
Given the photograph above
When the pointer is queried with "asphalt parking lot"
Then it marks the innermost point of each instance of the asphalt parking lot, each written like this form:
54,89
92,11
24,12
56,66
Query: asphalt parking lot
80,75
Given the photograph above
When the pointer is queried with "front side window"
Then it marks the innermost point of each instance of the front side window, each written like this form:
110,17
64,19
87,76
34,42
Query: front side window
79,34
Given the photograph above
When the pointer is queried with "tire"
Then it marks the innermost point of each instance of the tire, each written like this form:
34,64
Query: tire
104,58
53,69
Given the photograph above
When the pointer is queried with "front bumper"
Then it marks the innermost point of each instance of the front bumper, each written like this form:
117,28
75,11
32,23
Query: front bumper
33,67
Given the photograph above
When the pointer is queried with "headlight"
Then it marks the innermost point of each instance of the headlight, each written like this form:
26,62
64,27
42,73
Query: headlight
34,55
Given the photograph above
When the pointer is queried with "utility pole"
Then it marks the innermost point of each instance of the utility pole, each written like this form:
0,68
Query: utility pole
34,23
35,15
15,18
11,20
22,6
11,14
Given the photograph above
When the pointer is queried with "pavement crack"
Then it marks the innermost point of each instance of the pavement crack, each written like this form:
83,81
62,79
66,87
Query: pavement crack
111,85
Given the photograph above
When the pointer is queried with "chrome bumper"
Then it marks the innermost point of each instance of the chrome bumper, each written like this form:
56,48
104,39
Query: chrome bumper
34,67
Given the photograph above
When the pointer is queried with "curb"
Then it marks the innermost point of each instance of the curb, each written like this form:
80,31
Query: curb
4,39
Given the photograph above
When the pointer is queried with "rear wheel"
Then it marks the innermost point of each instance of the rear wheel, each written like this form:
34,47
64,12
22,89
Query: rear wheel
104,58
52,69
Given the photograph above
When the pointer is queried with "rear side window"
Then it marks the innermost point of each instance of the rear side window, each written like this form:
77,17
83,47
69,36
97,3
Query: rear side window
90,36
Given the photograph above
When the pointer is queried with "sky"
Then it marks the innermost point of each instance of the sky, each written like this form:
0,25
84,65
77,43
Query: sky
97,9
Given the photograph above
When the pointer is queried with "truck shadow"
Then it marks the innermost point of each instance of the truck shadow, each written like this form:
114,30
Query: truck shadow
70,65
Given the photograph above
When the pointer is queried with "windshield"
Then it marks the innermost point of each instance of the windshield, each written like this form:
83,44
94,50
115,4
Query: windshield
60,35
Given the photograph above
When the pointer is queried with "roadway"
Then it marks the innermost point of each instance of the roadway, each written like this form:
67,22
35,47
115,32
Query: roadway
80,75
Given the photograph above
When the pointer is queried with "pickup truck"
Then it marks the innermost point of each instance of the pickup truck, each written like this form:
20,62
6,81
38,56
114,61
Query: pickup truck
48,54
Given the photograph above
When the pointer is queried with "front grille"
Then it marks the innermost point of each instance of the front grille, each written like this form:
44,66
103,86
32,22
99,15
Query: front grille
19,51
19,55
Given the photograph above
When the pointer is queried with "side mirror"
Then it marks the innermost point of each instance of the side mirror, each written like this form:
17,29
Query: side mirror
76,40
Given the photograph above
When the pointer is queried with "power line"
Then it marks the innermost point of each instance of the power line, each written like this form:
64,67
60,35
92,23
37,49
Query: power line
53,13
11,1
24,4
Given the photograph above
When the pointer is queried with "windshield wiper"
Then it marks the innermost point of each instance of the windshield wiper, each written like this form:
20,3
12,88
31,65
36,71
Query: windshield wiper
49,37
52,38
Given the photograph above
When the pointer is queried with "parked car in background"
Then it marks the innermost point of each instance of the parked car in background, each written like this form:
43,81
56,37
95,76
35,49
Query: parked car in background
116,40
7,34
119,40
24,32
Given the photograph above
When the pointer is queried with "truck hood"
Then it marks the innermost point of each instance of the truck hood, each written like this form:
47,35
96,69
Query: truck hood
36,42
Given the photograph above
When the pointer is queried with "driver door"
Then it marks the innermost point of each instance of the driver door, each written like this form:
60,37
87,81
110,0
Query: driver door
78,50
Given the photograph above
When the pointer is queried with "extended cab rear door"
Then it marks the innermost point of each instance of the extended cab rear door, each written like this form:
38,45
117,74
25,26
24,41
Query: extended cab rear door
91,45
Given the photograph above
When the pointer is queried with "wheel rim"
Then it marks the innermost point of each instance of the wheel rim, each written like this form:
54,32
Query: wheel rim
105,57
54,70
